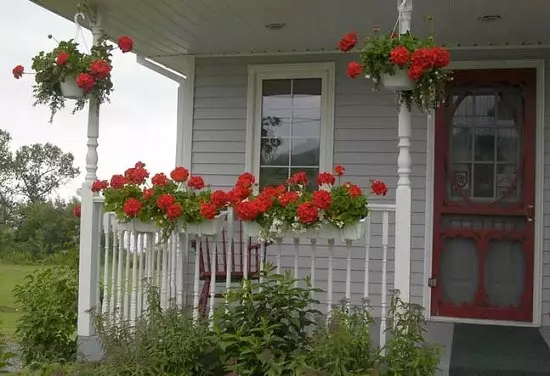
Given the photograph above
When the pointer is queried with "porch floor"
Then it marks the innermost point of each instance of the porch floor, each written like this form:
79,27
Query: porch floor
490,350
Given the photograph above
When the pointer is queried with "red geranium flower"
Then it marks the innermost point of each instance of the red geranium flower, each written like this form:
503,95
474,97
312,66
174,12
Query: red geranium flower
62,58
139,165
354,69
245,180
378,187
100,69
354,190
209,210
165,200
179,174
325,178
118,181
400,56
262,204
196,182
238,194
125,43
148,193
173,212
219,198
132,206
298,178
348,42
441,57
77,210
159,179
99,185
415,72
423,57
339,170
18,71
288,198
85,81
247,210
307,213
322,200
136,175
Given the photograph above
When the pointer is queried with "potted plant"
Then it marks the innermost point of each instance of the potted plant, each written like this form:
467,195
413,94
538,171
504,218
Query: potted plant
415,68
180,202
68,73
330,212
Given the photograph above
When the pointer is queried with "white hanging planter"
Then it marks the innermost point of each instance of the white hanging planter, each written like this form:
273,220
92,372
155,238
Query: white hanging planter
251,229
327,232
355,231
207,227
399,81
135,225
70,89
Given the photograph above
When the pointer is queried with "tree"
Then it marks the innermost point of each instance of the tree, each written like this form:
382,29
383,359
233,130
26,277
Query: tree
42,168
6,176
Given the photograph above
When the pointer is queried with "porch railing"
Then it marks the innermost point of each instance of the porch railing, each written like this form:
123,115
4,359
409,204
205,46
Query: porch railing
194,271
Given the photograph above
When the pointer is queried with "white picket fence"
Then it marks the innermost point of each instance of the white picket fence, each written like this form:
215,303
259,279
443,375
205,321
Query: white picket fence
134,260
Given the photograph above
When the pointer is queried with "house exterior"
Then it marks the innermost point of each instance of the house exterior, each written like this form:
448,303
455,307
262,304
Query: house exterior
463,231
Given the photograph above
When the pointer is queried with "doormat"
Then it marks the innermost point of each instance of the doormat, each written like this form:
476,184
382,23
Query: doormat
491,350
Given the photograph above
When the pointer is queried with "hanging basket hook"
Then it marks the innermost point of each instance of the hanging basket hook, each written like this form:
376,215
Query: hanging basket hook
77,23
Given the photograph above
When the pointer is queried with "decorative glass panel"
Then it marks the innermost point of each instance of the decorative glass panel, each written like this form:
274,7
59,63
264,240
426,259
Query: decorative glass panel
459,270
504,273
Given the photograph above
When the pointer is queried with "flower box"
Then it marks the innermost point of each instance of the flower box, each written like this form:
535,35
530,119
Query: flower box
251,229
355,231
207,227
70,89
136,226
399,81
328,231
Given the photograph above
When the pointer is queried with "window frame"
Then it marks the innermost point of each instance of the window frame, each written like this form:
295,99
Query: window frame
256,75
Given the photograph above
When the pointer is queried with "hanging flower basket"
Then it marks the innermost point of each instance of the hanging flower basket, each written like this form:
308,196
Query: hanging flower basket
207,227
328,212
66,72
70,89
180,202
398,81
415,68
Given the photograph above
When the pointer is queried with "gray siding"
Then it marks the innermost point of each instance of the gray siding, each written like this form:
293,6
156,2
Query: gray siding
365,142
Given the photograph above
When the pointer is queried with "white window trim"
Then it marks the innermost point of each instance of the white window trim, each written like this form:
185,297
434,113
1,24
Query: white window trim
258,73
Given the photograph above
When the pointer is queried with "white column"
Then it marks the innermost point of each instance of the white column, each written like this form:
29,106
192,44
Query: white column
403,192
89,222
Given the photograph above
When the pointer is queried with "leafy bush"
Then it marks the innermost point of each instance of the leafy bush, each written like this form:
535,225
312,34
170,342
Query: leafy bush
49,301
159,343
5,354
265,326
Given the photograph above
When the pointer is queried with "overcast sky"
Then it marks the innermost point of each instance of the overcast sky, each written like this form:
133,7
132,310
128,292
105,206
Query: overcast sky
138,124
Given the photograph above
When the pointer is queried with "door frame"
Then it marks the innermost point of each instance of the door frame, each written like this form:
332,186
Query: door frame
538,65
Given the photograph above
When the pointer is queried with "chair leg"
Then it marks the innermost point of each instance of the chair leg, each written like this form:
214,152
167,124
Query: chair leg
205,293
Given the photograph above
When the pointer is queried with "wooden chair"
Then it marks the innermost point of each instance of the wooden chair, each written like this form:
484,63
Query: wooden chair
237,262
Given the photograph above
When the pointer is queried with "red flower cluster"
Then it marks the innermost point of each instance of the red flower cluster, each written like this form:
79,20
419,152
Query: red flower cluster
427,58
85,81
165,200
137,174
298,178
180,174
219,198
196,182
307,213
209,210
348,42
288,198
400,56
325,178
18,71
77,210
322,200
339,170
247,210
354,69
378,187
125,43
118,181
62,58
100,69
100,185
173,211
148,193
159,179
132,207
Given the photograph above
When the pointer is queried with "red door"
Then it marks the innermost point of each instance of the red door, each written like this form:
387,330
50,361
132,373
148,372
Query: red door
483,255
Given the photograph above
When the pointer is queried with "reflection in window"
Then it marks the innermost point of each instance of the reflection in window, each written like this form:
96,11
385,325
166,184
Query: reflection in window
290,129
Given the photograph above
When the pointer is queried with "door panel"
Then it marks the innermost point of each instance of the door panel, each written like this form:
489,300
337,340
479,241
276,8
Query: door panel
484,197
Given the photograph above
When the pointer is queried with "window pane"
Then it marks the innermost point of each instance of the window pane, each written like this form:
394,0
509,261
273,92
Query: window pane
305,152
484,180
273,176
276,108
275,151
484,144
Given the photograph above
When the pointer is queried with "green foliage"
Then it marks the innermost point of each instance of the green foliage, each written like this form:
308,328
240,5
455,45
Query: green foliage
5,354
49,74
265,326
160,343
48,300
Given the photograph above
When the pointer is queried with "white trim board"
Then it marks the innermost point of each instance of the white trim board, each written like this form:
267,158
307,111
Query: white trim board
539,191
258,73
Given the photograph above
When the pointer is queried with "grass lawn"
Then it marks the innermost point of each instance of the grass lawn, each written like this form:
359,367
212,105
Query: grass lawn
11,275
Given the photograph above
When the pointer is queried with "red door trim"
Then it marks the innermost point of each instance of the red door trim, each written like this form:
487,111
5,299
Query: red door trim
524,312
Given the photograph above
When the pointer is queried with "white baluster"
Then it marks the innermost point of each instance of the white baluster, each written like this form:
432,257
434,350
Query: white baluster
196,296
106,282
384,305
312,272
99,230
229,251
119,308
348,273
263,250
179,269
213,269
173,267
330,267
127,276
245,261
158,269
164,275
366,292
185,270
296,258
279,252
114,285
140,274
135,266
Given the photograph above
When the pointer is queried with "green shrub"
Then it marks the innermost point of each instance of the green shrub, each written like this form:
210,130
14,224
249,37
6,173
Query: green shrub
49,301
265,326
162,342
5,354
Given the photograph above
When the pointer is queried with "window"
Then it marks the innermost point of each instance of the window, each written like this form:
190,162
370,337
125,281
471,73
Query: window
290,122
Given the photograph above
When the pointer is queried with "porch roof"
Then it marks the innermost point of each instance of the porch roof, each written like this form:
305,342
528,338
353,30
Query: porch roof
166,28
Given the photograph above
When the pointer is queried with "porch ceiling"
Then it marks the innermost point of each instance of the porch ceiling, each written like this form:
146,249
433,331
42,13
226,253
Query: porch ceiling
173,27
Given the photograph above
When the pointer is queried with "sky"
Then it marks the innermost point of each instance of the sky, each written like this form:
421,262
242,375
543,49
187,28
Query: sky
138,124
